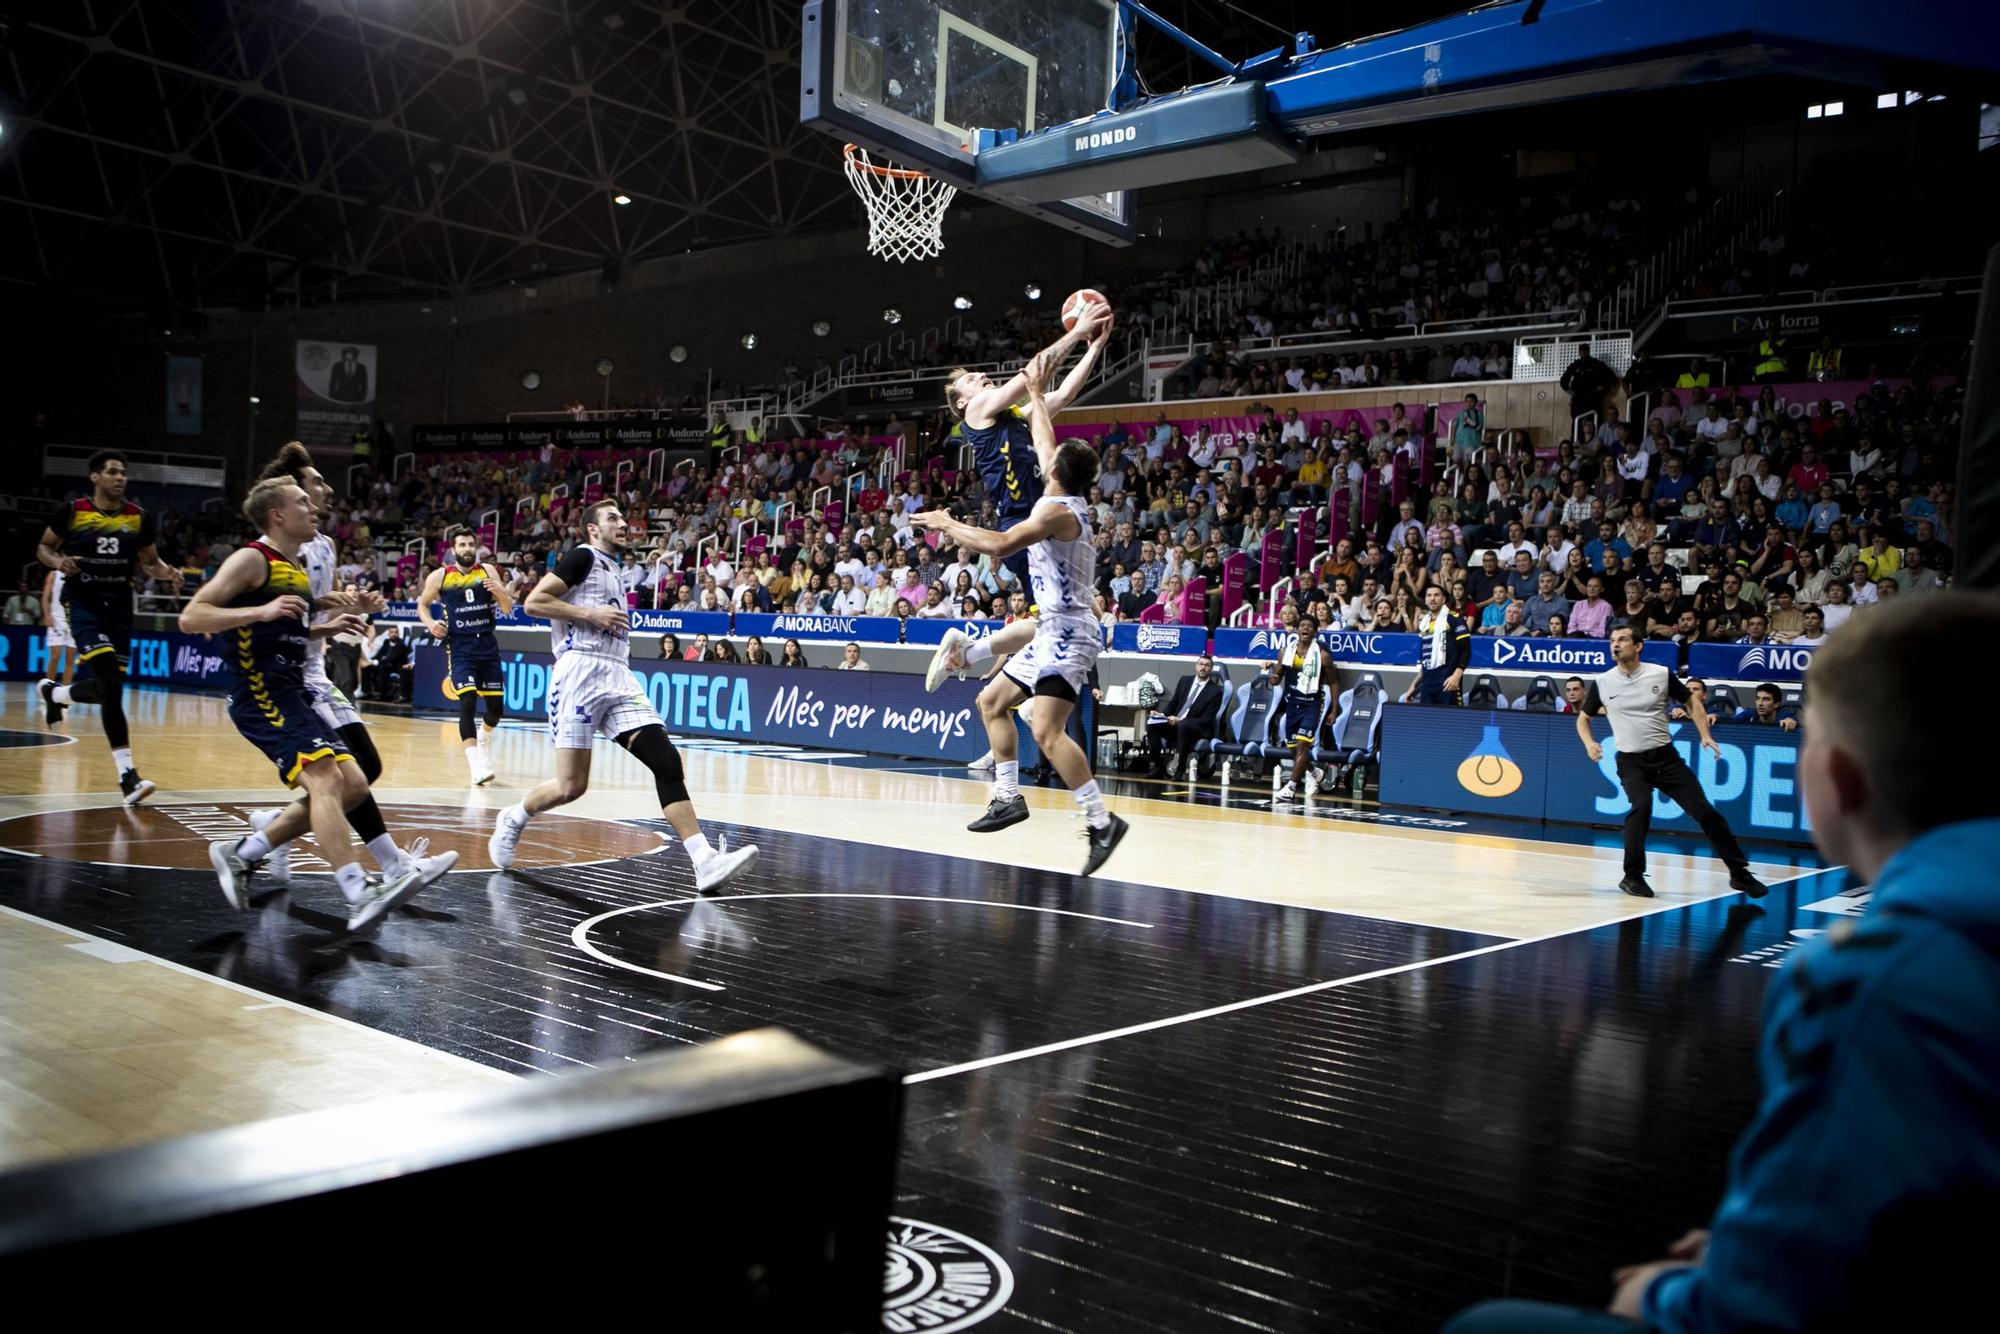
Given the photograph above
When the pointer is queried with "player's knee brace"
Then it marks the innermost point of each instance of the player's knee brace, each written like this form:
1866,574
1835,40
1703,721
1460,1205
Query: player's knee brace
653,750
362,747
495,708
110,681
468,714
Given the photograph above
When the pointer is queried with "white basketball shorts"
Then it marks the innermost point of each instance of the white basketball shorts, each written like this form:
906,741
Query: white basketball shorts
591,697
1064,646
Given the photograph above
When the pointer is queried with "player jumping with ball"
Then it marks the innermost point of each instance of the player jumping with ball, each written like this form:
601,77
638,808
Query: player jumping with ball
1009,465
1055,666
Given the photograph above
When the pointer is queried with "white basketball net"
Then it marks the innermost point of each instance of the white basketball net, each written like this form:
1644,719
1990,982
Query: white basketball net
905,208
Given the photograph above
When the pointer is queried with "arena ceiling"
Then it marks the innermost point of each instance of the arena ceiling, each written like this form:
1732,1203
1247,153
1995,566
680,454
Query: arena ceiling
208,153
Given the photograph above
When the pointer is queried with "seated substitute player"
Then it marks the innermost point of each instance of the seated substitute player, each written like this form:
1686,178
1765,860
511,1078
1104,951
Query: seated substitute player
1299,667
593,693
473,594
1444,649
257,600
1055,667
1009,465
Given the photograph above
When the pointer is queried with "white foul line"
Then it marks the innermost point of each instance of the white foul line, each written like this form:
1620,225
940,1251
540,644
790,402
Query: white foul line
1306,990
580,934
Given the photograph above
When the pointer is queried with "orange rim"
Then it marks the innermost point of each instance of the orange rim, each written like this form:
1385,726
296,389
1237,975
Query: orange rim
899,173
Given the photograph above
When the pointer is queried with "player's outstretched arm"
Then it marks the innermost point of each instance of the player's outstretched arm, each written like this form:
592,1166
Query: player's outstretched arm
1098,320
1053,522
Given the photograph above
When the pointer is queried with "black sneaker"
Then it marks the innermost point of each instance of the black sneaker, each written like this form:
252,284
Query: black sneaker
1745,883
1636,886
135,788
53,712
1103,842
1000,813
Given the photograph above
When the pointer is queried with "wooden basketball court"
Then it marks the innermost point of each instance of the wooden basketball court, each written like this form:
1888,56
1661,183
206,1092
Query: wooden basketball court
1265,1070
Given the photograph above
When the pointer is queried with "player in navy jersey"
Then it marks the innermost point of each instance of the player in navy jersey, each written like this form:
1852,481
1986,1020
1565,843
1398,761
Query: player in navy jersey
1004,454
472,594
1300,668
258,603
1056,666
318,557
96,542
1444,650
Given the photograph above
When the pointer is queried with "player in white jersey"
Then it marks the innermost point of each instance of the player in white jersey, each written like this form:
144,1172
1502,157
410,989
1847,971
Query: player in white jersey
62,644
1055,666
592,693
332,612
975,399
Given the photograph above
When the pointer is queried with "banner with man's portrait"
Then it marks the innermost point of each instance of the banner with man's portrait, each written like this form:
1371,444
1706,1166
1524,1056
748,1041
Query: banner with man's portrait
336,391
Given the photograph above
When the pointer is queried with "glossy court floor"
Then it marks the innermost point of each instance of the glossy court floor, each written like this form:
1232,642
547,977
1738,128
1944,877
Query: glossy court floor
1272,1070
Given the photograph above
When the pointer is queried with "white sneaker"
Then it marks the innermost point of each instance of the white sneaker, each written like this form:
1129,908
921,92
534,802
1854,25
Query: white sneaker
983,765
719,869
390,892
232,871
500,847
430,868
954,640
1315,782
1285,793
482,769
278,864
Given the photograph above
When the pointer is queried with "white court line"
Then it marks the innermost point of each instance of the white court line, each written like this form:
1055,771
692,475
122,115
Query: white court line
580,934
1307,990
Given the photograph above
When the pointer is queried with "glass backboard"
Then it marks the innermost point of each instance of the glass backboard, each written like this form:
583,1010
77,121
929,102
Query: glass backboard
913,79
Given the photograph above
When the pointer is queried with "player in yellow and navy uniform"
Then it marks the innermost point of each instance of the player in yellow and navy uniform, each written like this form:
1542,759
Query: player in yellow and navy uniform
97,542
472,594
1444,648
1300,666
1009,467
258,605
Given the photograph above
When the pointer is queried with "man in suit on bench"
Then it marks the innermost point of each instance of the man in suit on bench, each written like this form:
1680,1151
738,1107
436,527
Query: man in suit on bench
1188,717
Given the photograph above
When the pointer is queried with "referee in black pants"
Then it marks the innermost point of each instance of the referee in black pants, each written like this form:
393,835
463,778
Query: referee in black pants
1635,696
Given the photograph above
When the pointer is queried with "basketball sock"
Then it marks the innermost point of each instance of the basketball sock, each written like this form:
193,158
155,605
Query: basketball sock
475,757
1092,802
387,855
516,815
977,651
1006,780
353,881
122,757
697,847
61,695
255,848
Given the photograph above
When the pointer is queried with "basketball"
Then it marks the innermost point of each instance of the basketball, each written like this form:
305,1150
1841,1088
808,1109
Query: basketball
1074,304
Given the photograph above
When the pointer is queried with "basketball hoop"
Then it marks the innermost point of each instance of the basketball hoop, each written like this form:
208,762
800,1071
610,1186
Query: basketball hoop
905,208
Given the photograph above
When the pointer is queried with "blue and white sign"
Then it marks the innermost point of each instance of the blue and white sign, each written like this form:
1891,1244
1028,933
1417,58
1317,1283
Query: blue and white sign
863,629
1480,762
681,622
1361,648
1750,662
171,658
882,713
932,632
1570,657
1137,637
